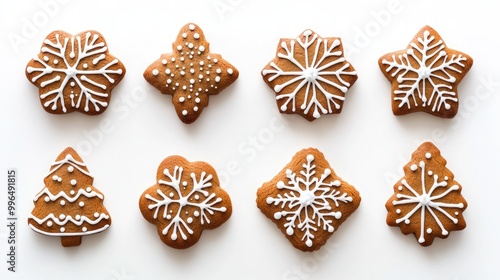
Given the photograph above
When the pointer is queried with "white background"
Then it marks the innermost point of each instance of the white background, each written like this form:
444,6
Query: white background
244,137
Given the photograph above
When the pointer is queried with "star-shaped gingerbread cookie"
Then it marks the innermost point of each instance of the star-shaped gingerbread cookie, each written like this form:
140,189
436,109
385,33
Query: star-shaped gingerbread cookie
310,75
191,73
425,75
427,202
75,73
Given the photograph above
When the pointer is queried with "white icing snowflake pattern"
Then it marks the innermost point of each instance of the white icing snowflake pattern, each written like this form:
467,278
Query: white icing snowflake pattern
433,67
199,200
306,194
69,65
425,201
322,74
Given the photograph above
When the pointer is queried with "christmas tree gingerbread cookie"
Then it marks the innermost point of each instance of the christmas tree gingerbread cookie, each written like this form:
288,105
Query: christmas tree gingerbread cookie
425,75
185,200
307,201
69,206
427,201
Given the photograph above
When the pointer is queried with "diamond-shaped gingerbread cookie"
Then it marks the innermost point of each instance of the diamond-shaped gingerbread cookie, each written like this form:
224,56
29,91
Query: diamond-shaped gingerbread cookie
307,201
190,73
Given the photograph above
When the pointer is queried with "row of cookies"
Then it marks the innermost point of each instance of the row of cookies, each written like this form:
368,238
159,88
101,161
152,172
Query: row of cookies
306,200
309,74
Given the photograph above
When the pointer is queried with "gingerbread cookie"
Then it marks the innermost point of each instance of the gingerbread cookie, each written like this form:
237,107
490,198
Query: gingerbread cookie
307,201
427,201
310,75
425,75
75,73
69,206
185,200
191,73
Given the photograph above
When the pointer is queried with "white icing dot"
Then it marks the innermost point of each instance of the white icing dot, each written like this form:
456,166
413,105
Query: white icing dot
218,71
62,216
201,48
167,71
398,211
196,197
195,108
191,27
72,192
62,202
182,99
70,169
56,61
199,76
81,204
73,182
456,213
196,213
217,79
49,223
172,59
85,65
229,71
191,71
78,217
427,155
89,189
63,229
179,47
46,58
413,167
190,45
197,100
84,229
400,188
169,81
171,194
189,220
184,35
164,62
183,73
191,81
169,217
429,230
59,179
184,112
196,35
407,221
446,178
72,84
47,199
155,72
96,215
54,177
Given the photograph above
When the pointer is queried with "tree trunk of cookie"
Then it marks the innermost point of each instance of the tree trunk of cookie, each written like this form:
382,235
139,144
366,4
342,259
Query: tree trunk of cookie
71,241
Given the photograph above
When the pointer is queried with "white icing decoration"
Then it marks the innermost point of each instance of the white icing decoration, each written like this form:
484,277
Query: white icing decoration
62,202
184,112
81,204
71,72
428,155
68,160
229,71
84,229
63,220
155,72
204,208
73,182
435,68
61,194
70,169
308,194
69,233
311,74
191,27
426,202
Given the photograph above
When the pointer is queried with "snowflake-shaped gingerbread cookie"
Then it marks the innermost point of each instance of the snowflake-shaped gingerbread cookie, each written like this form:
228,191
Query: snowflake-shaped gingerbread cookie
191,73
427,201
307,201
185,200
75,73
425,75
310,75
